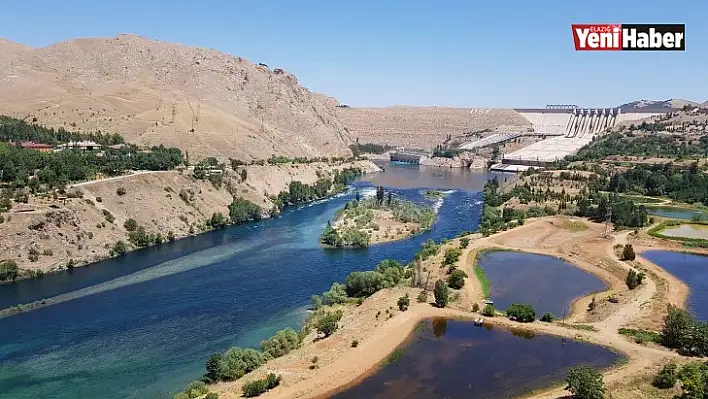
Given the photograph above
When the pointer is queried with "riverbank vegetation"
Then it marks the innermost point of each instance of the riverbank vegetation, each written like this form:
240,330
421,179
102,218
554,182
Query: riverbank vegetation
658,232
374,220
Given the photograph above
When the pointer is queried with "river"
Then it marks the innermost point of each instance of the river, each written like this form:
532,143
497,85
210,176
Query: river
143,325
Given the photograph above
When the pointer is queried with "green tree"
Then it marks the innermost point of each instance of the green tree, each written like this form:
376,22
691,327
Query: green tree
666,378
364,284
328,323
441,294
452,255
547,317
464,242
521,312
628,252
242,210
9,270
237,362
404,302
316,302
634,279
130,224
281,343
694,380
585,383
212,367
456,279
488,310
337,294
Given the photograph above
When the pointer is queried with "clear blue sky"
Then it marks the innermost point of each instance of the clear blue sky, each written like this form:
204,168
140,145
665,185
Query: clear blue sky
415,52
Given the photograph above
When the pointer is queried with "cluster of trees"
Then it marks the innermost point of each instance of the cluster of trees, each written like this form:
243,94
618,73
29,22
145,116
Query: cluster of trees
585,382
625,212
693,377
299,192
445,152
280,159
259,387
388,273
45,170
654,145
684,185
242,210
9,270
369,148
521,312
685,334
14,130
346,236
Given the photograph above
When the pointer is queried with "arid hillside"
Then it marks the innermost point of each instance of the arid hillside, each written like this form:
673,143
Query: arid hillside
200,100
423,127
84,229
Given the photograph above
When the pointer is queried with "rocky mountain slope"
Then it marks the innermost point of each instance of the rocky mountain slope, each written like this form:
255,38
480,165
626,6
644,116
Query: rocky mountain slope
670,103
200,100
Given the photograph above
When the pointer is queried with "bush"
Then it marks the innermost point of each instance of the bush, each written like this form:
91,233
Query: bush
259,387
337,294
327,323
316,302
364,284
441,294
666,378
121,191
238,362
628,252
488,311
9,270
213,368
212,395
422,297
355,343
585,383
281,343
464,242
242,210
130,225
403,303
634,279
47,252
195,389
452,255
547,317
119,248
109,216
456,280
33,254
521,312
99,199
475,307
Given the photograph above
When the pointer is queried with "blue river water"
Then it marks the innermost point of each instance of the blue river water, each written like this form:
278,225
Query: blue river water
692,269
142,325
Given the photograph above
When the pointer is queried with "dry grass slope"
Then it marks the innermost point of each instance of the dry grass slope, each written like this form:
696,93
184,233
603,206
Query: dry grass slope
155,92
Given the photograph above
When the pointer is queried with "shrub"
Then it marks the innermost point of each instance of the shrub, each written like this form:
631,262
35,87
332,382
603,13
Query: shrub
547,317
488,311
628,252
109,216
441,294
585,383
170,236
258,387
403,303
130,224
456,280
464,242
242,210
212,395
213,368
355,343
121,191
119,248
521,312
47,252
634,279
452,255
327,323
666,378
195,389
281,343
99,199
316,302
237,362
475,307
9,270
363,284
33,255
337,294
422,297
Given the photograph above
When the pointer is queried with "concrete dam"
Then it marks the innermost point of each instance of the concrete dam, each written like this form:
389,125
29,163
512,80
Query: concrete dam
570,128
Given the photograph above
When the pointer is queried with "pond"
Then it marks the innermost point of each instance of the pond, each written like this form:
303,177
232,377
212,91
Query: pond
142,325
456,359
687,230
692,269
676,213
548,284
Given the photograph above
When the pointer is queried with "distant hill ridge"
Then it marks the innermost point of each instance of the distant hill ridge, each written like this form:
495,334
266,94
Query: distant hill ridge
201,100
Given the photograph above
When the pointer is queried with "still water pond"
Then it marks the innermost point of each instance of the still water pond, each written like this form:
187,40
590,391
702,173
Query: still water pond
142,325
688,231
455,359
677,213
691,269
548,284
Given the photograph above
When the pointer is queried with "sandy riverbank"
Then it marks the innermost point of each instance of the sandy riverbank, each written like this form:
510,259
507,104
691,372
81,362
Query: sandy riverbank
339,364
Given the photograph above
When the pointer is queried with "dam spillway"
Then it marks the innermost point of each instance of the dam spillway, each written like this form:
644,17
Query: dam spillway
570,128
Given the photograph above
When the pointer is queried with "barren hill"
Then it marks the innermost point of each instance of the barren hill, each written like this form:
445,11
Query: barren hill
156,92
670,103
423,127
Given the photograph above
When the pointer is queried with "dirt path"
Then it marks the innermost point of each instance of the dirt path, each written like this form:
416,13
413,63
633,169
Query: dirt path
135,173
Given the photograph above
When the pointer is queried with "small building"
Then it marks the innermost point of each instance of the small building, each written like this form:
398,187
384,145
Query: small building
31,145
85,145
